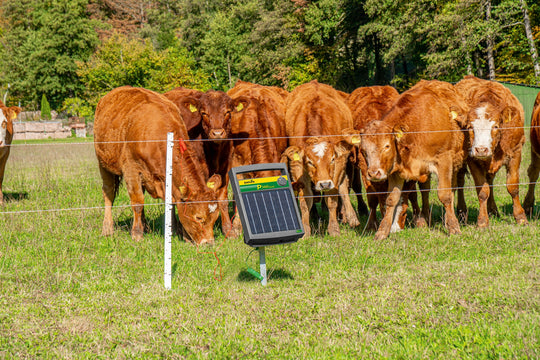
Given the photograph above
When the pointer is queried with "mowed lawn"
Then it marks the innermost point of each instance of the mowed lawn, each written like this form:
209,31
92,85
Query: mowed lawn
67,292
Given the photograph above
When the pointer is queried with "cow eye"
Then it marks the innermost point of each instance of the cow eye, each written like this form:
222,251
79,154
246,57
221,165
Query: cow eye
199,218
496,127
387,147
3,125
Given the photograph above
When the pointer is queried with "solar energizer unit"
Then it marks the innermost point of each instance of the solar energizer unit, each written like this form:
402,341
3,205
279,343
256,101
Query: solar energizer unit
267,206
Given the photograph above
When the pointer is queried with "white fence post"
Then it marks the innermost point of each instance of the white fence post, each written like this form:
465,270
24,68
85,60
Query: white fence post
168,212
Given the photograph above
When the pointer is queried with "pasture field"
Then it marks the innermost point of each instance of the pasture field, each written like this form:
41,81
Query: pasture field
67,292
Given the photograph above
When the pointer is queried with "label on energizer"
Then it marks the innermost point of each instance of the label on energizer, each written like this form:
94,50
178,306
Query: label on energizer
267,183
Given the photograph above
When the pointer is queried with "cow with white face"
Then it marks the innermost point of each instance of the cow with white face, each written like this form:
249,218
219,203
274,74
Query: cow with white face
496,136
7,115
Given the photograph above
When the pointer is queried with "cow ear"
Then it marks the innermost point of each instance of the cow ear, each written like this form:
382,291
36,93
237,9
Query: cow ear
352,137
214,183
13,112
191,104
457,115
292,153
399,131
240,103
508,114
343,148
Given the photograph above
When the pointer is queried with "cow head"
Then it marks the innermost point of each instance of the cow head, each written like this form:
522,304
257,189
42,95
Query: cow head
7,115
198,211
483,124
322,160
216,109
378,147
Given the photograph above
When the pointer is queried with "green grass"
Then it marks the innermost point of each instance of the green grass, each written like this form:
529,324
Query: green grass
68,292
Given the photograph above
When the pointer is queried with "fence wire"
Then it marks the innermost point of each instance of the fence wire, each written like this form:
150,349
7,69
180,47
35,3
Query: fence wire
317,196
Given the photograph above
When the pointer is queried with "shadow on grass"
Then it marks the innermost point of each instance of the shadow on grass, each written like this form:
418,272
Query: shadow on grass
273,274
15,196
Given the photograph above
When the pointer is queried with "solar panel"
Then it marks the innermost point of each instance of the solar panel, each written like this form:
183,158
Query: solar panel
267,207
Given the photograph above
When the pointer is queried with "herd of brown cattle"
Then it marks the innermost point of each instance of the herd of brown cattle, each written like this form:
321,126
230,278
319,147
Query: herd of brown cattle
331,141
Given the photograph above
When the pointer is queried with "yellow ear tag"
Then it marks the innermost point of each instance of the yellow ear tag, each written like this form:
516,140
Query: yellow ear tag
183,189
454,115
399,134
296,157
13,116
508,119
192,108
239,107
211,184
355,140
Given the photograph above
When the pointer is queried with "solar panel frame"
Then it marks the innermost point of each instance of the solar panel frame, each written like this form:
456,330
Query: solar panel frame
252,202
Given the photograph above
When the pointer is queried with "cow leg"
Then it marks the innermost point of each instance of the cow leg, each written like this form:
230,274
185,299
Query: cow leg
3,161
223,204
356,185
305,199
347,208
373,202
482,190
512,185
533,171
446,195
395,184
109,188
409,195
332,202
136,196
462,211
425,218
236,223
491,205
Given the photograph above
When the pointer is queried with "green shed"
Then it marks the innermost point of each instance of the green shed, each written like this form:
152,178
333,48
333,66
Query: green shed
526,94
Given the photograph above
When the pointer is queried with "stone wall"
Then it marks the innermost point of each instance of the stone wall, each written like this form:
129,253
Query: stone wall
40,130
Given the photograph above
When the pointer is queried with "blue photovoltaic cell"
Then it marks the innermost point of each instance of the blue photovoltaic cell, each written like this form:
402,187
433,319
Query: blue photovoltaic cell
270,211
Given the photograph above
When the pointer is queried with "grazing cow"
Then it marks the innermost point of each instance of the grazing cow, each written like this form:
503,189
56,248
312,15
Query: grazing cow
534,167
372,103
130,129
214,109
317,116
495,122
263,121
420,135
7,115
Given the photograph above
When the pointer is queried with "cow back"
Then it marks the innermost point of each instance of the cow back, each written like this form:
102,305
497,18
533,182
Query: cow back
369,103
315,109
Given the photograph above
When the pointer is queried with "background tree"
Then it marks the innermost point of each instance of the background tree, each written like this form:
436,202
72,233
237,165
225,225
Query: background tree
41,44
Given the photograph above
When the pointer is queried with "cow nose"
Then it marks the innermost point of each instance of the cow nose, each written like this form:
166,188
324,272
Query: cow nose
481,151
217,133
325,185
376,175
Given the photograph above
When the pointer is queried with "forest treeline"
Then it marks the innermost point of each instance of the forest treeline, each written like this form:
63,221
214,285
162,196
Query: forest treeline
74,51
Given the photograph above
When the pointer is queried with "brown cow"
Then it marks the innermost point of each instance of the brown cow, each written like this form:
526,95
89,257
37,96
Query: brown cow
420,135
263,121
534,167
214,109
7,115
130,129
372,103
317,117
495,122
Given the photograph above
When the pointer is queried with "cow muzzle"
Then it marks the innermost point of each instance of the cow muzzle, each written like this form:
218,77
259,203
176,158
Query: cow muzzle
481,152
376,175
324,185
217,134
